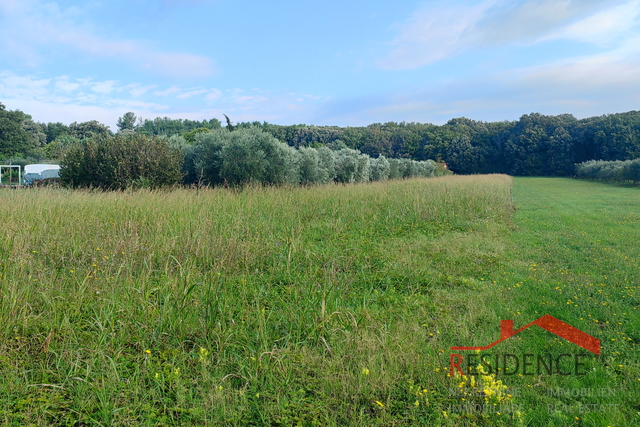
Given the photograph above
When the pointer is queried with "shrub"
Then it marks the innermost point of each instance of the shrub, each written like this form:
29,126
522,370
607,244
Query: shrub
239,157
616,170
122,161
251,155
395,171
379,169
631,171
327,164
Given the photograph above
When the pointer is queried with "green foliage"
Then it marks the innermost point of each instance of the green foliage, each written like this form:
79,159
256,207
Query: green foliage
230,126
610,171
327,163
461,156
36,131
631,171
18,160
55,130
55,150
203,161
240,157
331,306
14,139
190,136
250,155
89,129
534,145
128,121
120,162
379,169
347,164
407,168
169,127
309,164
316,166
243,160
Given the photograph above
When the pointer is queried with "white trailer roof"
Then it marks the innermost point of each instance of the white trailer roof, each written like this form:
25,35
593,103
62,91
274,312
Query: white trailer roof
37,169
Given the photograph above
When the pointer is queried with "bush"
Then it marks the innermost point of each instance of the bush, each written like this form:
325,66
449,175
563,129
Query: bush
631,171
379,169
239,157
327,165
250,155
119,162
616,170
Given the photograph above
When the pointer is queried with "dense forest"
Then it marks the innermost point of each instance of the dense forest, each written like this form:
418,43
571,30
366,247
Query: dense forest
533,145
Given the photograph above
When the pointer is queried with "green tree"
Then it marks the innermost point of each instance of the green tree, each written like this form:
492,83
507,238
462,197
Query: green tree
89,129
631,171
55,150
251,155
190,136
14,139
119,162
239,157
54,130
36,131
461,156
128,121
230,126
349,166
311,170
379,169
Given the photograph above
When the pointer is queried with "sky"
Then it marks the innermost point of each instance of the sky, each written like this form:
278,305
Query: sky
320,62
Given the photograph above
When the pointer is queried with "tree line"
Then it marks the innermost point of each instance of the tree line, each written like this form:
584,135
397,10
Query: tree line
613,171
227,157
535,144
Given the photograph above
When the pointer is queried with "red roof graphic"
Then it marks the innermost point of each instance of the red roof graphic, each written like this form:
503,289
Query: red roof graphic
551,324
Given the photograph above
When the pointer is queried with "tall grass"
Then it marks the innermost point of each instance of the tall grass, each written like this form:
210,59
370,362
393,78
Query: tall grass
331,305
262,306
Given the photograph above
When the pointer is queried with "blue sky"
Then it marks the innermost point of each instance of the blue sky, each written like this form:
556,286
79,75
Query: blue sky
322,62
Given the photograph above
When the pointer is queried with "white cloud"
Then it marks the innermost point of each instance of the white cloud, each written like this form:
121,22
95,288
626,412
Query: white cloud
213,95
59,99
63,84
250,99
530,20
603,27
105,87
136,89
173,64
66,100
167,92
585,86
191,93
433,33
12,85
587,77
32,27
440,30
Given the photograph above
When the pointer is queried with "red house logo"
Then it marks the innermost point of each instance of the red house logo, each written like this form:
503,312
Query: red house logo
551,324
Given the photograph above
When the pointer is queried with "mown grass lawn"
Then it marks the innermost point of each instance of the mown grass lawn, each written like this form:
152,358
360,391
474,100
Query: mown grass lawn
315,306
574,254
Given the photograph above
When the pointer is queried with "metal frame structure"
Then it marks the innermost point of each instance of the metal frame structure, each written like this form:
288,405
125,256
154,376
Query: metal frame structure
11,167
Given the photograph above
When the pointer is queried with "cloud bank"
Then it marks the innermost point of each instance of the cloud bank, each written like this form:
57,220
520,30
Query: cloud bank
441,30
31,28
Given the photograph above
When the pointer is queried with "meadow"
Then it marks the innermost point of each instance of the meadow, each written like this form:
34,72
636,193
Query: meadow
316,306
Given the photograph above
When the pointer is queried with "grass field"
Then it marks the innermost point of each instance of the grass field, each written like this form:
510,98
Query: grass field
328,306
